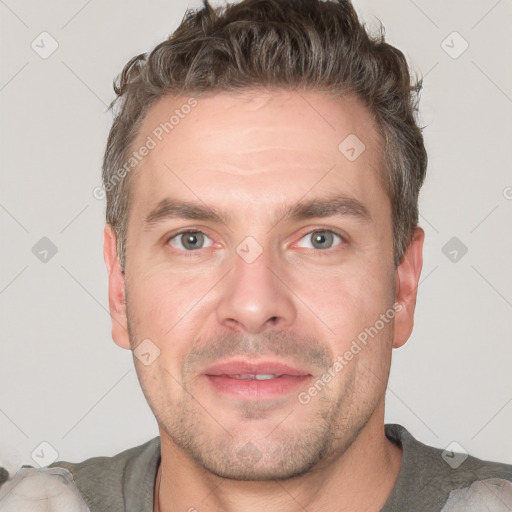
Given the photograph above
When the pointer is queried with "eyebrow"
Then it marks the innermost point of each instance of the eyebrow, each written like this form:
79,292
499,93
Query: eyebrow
316,208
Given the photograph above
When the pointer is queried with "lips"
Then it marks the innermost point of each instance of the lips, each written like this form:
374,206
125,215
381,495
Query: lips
255,380
262,368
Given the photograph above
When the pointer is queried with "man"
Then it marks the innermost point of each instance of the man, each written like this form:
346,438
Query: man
262,178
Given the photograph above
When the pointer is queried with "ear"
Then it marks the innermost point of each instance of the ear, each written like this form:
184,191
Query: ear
407,276
116,289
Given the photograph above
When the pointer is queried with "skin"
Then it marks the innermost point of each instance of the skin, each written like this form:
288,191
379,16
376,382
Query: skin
248,155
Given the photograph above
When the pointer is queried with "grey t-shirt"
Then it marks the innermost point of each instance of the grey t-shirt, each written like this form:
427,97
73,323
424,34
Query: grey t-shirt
430,479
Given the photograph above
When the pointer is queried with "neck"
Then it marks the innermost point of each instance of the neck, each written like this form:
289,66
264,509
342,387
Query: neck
359,479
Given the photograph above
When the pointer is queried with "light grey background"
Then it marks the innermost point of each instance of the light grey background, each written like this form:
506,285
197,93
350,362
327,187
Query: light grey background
62,379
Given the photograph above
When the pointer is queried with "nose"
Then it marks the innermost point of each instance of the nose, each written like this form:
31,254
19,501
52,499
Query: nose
255,296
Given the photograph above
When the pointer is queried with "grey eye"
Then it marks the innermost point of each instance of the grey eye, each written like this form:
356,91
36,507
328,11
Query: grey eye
321,239
190,240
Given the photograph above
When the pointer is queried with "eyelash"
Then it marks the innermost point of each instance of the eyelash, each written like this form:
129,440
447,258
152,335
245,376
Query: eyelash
320,252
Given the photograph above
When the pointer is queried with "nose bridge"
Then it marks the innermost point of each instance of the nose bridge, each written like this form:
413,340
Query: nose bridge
254,297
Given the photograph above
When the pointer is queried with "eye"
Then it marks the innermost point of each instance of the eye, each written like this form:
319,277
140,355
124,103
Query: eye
321,239
189,240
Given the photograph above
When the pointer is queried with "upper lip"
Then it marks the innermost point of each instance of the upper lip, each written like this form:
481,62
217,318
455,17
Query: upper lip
264,367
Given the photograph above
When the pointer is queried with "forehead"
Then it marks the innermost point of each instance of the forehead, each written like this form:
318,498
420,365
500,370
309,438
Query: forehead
254,144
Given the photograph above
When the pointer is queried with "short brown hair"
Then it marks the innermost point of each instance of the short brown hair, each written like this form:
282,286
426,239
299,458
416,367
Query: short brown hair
299,44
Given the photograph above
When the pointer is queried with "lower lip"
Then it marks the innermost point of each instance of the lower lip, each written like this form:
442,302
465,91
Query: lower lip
253,389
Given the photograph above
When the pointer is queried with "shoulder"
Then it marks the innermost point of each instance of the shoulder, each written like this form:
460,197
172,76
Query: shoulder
434,478
96,469
103,483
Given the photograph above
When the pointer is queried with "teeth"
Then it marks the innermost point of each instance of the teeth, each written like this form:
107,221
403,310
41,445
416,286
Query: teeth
263,376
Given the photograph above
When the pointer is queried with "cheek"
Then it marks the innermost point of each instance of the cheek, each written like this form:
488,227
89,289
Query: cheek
159,300
167,308
350,298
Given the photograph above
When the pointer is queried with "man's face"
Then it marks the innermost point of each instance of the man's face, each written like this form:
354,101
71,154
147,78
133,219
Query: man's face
258,291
